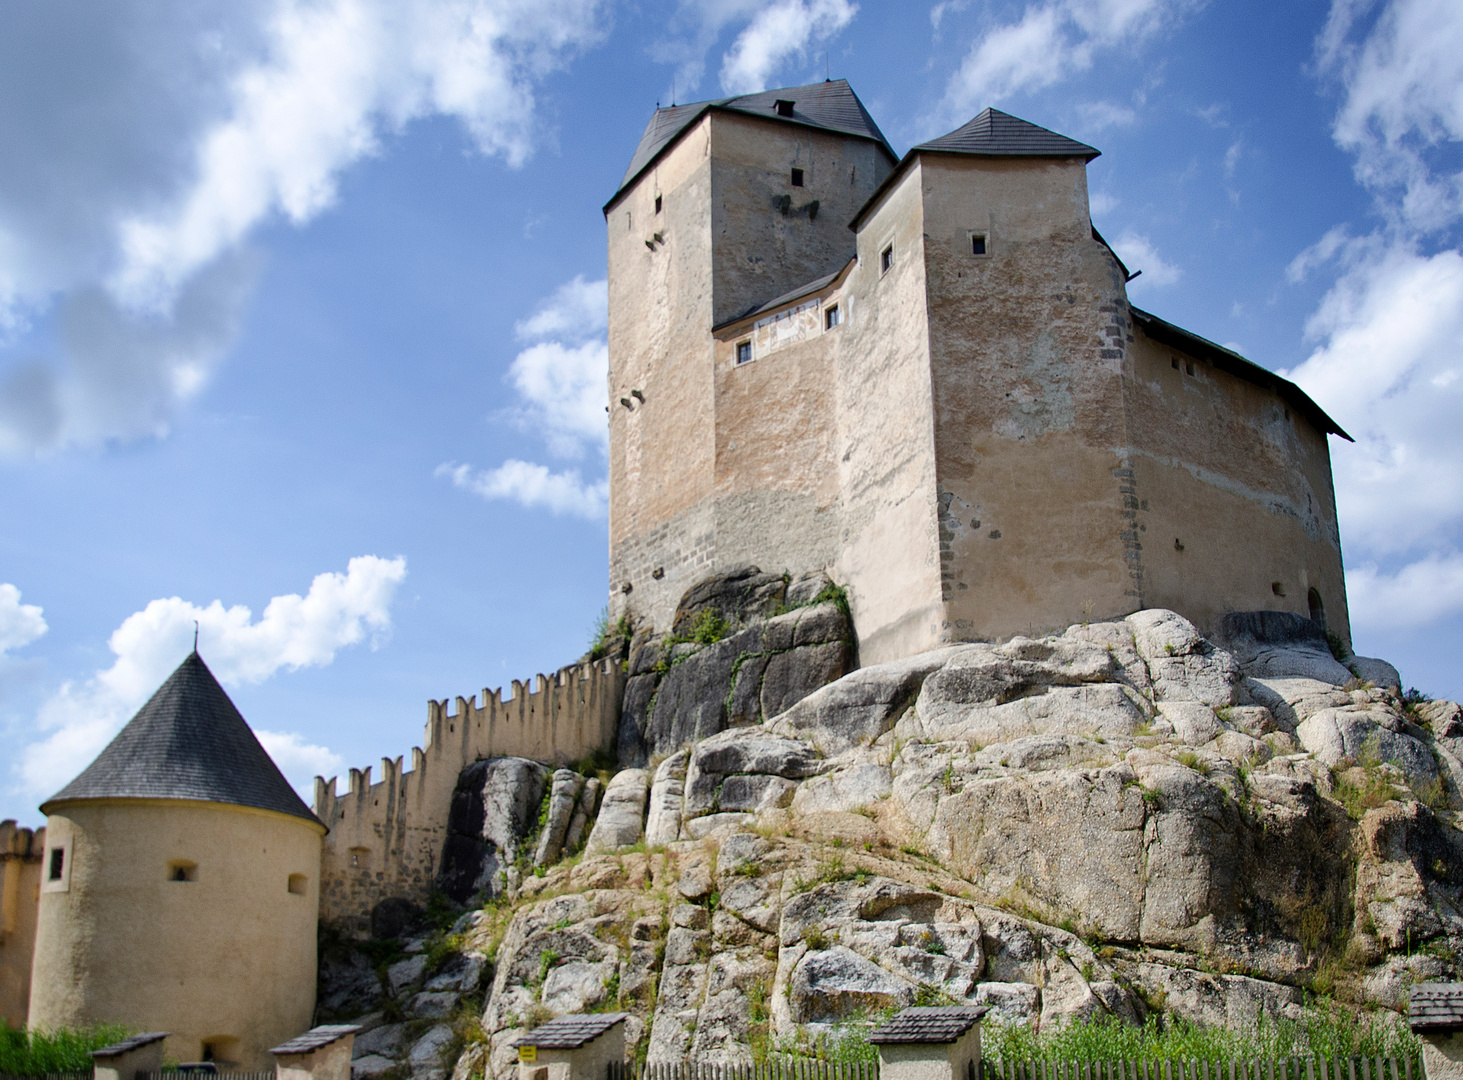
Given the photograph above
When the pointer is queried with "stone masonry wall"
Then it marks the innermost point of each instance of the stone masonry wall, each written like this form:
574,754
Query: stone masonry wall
386,837
20,879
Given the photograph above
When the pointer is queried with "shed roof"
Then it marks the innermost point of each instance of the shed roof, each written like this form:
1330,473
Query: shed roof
816,285
997,134
1166,333
571,1032
831,106
187,742
937,1024
1436,1007
126,1046
316,1038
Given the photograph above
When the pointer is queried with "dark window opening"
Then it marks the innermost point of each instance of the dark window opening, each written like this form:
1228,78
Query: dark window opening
1318,609
1189,366
657,204
977,244
797,178
58,862
182,871
783,106
744,351
832,317
886,259
1277,588
1175,362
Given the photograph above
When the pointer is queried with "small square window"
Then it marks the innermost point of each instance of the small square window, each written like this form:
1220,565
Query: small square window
744,352
886,259
832,317
1175,362
977,243
58,863
182,871
783,107
296,884
797,178
1189,366
657,204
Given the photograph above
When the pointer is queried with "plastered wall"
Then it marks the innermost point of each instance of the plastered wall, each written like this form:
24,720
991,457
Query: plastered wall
21,852
225,958
386,835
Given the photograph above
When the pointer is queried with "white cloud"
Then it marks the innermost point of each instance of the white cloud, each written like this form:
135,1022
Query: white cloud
563,389
1138,253
1420,593
1389,331
299,760
778,33
294,631
1101,115
1100,203
1231,158
578,309
20,624
940,10
1050,42
145,143
534,486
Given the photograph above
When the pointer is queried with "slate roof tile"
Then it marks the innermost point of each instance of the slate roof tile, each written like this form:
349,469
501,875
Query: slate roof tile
830,105
937,1024
997,134
187,742
129,1044
1436,1007
570,1032
315,1038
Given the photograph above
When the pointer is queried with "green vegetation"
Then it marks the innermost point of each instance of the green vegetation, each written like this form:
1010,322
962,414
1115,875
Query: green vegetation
34,1053
609,638
708,627
1337,646
1324,1029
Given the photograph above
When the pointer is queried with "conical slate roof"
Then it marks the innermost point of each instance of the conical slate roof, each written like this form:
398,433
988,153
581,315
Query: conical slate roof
187,742
997,134
830,105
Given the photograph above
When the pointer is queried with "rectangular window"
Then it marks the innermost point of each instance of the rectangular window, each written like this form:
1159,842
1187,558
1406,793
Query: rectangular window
296,884
832,317
977,243
58,863
744,352
797,178
886,259
657,204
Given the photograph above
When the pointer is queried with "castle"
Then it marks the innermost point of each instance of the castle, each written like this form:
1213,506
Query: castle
923,375
920,376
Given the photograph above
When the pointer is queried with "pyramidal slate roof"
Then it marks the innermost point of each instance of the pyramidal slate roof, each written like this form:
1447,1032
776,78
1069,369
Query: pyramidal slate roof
830,105
997,134
187,742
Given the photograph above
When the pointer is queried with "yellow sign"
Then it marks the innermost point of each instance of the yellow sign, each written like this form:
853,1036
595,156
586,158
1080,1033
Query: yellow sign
528,1054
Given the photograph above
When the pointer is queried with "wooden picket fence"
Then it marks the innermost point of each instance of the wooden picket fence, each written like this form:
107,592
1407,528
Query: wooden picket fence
1310,1068
178,1074
777,1069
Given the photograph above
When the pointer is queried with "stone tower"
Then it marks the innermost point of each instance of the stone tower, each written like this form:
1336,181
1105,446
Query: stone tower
180,885
956,413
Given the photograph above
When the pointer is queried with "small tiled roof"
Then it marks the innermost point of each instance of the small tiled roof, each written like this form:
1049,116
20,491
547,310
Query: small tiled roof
997,134
831,105
127,1045
571,1032
187,742
315,1038
938,1024
1436,1007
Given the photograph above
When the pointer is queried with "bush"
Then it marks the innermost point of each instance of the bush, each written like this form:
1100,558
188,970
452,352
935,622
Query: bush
34,1053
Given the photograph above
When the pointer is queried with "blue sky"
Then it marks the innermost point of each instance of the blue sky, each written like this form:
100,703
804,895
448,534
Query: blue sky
301,310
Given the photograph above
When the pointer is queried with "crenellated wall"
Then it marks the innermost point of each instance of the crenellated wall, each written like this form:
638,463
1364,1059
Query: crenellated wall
20,882
386,836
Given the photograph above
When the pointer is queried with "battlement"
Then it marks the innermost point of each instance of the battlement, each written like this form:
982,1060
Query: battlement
386,833
21,843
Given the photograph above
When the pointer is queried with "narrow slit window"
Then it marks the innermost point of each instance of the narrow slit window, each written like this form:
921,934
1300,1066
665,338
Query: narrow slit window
657,204
832,317
797,178
744,352
58,863
886,259
977,243
1175,362
1189,366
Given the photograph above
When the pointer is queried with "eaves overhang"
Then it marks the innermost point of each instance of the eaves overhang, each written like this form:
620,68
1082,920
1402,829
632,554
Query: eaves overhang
825,284
1166,333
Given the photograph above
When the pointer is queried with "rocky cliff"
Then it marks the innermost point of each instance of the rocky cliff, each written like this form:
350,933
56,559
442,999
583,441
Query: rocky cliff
1123,818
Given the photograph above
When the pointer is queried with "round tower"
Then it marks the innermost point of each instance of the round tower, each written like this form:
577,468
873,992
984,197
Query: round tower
180,885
